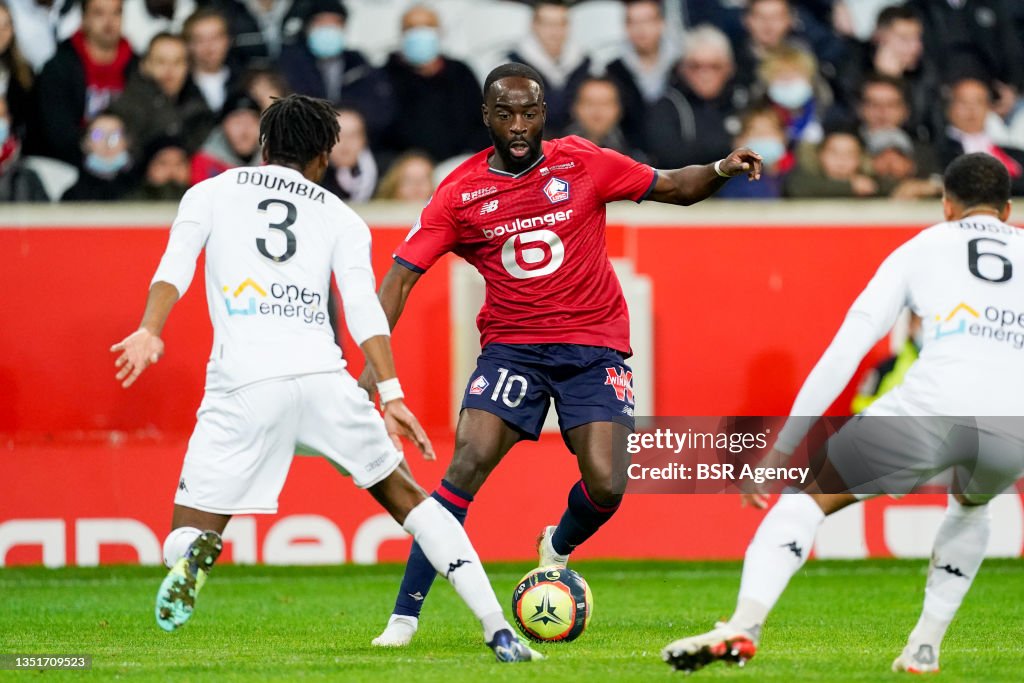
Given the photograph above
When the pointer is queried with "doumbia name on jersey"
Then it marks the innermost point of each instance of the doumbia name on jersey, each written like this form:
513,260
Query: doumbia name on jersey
277,183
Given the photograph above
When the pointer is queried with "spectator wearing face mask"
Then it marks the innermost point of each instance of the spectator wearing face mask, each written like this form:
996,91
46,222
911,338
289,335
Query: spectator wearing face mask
839,172
438,97
17,183
161,100
235,142
167,172
788,80
106,173
322,66
352,170
560,62
762,131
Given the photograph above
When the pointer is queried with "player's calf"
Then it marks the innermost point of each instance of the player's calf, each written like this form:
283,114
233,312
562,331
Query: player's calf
582,518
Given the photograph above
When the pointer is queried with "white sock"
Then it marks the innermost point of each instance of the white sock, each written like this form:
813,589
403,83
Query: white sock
177,542
956,558
779,548
446,545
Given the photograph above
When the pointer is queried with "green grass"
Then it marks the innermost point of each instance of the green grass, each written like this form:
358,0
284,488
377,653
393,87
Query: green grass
839,621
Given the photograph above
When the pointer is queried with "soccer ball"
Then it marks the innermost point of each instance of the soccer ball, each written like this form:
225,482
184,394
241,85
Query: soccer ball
552,604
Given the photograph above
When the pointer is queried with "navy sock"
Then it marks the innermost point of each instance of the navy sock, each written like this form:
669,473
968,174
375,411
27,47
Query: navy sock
582,518
419,573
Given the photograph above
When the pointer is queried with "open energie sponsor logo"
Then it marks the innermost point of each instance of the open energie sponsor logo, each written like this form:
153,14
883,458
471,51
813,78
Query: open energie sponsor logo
998,324
284,301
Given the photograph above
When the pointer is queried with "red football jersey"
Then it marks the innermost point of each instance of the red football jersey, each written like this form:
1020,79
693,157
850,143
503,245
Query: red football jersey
538,239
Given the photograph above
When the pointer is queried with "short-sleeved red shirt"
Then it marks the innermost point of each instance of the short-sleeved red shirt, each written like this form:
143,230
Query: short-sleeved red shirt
538,239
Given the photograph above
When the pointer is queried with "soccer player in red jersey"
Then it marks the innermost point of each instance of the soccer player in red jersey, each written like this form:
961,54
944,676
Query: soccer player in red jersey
530,216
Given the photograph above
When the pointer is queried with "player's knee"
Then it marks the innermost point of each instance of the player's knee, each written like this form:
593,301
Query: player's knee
469,467
602,493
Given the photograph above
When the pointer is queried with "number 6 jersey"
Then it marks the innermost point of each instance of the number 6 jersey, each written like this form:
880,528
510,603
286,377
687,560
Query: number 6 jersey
966,280
538,239
272,239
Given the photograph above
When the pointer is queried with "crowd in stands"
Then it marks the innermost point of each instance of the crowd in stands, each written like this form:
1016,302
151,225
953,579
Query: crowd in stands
106,100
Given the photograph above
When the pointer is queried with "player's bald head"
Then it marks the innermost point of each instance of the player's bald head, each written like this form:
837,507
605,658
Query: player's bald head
513,75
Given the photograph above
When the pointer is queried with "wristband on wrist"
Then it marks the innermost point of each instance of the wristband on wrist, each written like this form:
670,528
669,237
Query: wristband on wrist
389,390
718,169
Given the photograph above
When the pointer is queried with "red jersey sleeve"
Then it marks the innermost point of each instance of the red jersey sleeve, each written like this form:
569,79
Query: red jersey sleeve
615,175
432,236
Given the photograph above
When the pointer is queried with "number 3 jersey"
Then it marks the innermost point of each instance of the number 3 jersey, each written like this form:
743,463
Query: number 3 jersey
538,239
272,239
966,280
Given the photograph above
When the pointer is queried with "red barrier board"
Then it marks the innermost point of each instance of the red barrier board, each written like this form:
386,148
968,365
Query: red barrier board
741,315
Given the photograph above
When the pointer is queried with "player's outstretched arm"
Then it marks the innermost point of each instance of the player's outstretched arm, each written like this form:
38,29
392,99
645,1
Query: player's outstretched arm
398,419
143,347
394,292
691,184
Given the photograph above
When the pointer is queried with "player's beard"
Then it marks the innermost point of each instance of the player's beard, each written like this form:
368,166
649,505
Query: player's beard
517,164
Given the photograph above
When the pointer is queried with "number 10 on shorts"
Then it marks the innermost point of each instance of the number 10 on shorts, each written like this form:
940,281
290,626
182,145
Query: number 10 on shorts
510,388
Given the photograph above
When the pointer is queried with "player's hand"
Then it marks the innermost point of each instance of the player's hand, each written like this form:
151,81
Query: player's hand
138,350
368,382
754,500
740,161
753,494
400,422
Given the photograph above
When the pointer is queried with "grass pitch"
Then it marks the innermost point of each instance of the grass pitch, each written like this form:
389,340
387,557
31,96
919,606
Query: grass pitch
839,621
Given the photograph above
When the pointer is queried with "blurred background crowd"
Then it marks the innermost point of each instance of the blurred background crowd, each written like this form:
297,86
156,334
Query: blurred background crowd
105,100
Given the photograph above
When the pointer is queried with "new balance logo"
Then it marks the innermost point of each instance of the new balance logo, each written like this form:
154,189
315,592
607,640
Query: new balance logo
794,548
489,207
955,571
452,566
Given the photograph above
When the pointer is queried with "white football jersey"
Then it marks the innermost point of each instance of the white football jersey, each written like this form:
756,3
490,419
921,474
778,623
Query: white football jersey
272,239
966,281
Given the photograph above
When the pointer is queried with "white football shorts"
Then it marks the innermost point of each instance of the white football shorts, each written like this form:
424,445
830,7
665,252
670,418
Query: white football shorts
892,449
244,440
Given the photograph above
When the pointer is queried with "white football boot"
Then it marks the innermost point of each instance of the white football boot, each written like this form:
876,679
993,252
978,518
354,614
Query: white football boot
919,659
548,556
398,632
723,643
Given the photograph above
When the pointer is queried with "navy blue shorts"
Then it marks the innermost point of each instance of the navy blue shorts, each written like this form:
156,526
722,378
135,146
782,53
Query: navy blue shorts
516,382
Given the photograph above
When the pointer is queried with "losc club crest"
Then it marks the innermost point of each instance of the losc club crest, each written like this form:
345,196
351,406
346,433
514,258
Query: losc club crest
478,386
556,190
